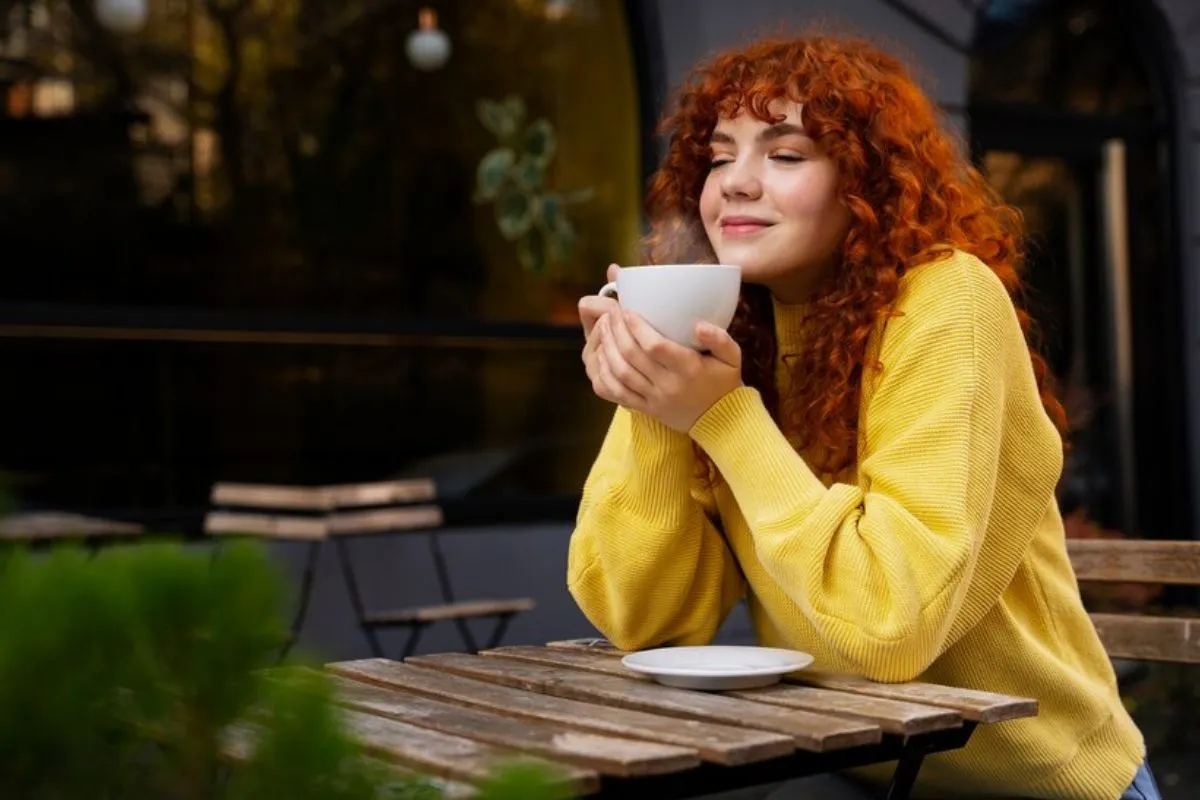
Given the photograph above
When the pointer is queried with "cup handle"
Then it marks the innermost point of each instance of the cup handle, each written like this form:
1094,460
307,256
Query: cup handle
608,290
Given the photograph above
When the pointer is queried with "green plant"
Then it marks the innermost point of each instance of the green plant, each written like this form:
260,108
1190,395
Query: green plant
512,177
149,672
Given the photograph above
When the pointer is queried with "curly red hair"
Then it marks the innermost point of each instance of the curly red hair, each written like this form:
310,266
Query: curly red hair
912,195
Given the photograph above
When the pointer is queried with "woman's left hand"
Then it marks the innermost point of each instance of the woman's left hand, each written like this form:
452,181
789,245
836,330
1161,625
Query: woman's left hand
670,382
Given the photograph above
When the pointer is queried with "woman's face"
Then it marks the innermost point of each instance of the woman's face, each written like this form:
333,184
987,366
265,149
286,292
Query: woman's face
770,203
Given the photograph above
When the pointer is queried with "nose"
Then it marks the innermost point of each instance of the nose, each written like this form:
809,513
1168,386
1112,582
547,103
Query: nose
740,180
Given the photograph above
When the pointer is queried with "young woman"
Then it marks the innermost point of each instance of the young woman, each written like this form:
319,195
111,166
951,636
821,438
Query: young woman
869,456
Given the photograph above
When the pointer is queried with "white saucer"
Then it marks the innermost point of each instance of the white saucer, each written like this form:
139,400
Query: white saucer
717,667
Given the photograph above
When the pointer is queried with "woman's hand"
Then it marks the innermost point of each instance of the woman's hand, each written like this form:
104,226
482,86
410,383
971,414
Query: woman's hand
632,364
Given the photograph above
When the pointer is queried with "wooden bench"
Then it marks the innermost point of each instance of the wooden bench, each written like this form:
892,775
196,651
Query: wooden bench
1140,637
343,512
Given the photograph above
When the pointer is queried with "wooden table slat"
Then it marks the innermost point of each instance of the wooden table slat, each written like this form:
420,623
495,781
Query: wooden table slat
607,754
974,705
577,659
814,732
447,756
721,744
239,740
893,716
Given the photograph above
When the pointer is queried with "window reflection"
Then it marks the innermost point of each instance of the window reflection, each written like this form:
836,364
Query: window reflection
234,170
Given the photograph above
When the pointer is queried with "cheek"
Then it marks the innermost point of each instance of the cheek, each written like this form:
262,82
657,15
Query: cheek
810,196
710,206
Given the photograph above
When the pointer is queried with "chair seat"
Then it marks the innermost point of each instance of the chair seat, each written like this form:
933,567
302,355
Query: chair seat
447,611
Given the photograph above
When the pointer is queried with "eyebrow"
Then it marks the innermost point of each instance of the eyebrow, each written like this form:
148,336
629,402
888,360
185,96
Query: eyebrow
776,131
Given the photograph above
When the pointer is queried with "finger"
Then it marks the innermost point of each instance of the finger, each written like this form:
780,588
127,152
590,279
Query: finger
611,274
719,344
661,350
594,337
621,365
591,308
614,389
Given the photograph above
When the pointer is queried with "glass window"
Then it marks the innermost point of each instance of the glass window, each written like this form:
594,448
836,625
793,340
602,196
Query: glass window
297,240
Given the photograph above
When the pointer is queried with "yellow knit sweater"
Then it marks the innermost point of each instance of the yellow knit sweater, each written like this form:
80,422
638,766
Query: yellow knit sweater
940,556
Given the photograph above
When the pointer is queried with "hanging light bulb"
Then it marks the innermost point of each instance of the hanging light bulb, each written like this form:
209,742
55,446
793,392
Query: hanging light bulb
122,16
428,47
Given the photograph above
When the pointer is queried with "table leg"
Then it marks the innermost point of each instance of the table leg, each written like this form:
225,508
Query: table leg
710,779
905,776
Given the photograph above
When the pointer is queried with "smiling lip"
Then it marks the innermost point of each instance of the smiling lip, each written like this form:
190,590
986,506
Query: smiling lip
743,226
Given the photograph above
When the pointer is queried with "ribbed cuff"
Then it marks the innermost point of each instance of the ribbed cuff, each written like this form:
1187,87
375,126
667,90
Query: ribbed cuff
767,476
657,480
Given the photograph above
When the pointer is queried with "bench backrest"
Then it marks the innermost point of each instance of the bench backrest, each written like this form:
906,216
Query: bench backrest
1148,638
317,512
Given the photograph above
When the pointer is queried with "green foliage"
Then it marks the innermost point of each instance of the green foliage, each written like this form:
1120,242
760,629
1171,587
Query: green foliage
512,177
521,781
150,672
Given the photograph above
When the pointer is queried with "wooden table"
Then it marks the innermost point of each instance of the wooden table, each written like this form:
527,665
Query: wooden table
48,527
613,733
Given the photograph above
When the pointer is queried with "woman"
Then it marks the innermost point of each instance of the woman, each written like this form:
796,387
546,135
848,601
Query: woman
869,455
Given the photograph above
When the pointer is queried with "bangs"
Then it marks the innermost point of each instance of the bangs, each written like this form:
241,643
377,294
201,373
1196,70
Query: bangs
753,91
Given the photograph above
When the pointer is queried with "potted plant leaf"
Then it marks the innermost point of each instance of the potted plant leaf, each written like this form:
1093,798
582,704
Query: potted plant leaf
150,671
512,177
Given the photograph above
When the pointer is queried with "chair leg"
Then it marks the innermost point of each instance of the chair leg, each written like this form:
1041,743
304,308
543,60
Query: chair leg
306,585
351,581
414,636
498,632
468,638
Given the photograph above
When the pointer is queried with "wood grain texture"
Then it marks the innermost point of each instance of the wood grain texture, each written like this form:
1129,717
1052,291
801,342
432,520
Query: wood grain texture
814,732
893,716
1135,561
447,756
1168,639
972,704
721,744
610,755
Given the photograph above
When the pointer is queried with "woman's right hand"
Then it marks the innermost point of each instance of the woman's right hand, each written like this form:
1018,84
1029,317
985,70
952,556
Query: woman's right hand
592,309
615,363
593,306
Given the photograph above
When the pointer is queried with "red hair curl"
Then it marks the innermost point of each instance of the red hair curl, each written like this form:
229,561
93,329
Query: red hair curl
912,194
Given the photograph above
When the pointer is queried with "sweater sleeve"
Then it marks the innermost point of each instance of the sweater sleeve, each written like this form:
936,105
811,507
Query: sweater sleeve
646,563
887,571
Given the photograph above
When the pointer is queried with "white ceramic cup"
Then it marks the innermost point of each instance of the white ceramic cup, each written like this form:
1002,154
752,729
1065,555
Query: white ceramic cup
673,298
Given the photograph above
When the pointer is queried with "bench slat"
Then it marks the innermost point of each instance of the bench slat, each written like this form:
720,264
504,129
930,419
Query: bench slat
1135,561
273,526
438,613
380,493
385,520
1171,639
270,496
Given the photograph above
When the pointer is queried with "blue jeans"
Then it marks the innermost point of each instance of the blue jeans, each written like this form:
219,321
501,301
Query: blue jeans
1143,787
